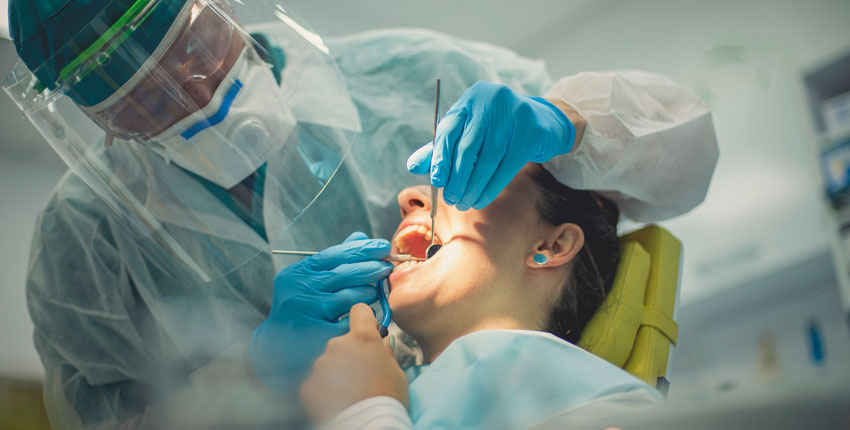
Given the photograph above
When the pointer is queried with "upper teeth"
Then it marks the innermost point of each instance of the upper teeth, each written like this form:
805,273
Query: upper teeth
421,229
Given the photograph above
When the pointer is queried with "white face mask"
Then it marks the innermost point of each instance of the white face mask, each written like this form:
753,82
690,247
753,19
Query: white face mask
240,128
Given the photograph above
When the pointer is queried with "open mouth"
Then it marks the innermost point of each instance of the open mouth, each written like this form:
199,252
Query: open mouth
413,240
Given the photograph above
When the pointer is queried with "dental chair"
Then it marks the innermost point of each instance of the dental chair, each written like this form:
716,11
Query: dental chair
635,327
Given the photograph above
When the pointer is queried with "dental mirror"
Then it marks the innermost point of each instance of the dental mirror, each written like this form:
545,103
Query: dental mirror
432,249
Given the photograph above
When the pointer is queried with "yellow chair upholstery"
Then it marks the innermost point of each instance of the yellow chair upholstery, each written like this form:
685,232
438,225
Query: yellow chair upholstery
634,327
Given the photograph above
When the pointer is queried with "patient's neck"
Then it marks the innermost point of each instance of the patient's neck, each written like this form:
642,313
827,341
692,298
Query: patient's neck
433,344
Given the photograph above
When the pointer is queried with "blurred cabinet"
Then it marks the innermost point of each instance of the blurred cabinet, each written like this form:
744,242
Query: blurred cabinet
828,93
780,336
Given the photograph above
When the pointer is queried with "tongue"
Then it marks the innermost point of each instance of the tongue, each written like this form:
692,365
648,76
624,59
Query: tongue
416,244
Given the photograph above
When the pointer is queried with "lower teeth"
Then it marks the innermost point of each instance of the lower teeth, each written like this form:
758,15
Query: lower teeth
405,265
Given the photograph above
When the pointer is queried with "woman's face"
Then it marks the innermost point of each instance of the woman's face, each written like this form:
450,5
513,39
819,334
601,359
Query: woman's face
481,262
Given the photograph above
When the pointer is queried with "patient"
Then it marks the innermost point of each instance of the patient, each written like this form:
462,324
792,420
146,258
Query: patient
486,270
486,310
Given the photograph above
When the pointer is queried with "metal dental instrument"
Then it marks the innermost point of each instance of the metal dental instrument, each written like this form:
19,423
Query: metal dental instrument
390,258
433,248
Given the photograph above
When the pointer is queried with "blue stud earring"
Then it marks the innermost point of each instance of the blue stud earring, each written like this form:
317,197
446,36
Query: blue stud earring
540,259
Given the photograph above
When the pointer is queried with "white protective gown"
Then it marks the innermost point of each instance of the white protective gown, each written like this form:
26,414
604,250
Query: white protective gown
115,335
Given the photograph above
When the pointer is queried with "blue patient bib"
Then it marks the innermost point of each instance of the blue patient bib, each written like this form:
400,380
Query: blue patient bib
509,379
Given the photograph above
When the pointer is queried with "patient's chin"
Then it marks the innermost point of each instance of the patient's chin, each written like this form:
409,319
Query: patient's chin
406,298
404,312
400,298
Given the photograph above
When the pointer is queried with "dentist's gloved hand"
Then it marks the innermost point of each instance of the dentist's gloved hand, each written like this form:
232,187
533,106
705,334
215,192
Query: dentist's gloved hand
484,140
309,298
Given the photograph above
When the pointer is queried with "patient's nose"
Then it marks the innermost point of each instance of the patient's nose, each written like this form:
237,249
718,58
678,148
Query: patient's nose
415,198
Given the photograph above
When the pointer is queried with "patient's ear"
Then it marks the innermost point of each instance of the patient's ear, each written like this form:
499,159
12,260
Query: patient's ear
558,247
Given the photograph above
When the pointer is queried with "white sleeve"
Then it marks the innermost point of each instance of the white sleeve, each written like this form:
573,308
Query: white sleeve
376,413
649,144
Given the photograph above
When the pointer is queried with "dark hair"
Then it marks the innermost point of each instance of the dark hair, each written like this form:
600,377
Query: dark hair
595,265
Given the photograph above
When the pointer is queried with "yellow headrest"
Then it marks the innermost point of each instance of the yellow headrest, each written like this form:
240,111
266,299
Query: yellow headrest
611,332
634,327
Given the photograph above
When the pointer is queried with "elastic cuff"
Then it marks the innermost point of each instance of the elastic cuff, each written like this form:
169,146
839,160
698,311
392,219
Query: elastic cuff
559,112
382,412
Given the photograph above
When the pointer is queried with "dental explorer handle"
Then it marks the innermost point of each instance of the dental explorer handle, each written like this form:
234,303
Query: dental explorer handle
390,258
433,188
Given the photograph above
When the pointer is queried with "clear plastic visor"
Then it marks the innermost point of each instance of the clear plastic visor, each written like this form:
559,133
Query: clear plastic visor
208,154
184,78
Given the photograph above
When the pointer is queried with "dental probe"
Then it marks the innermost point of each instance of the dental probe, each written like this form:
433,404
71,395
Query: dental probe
432,248
391,257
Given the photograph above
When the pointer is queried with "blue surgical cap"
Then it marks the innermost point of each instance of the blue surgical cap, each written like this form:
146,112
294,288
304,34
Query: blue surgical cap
50,34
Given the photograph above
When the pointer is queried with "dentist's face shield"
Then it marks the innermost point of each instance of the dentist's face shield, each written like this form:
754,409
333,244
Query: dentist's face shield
197,141
197,56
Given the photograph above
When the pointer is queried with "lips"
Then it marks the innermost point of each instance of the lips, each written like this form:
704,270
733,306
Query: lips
412,238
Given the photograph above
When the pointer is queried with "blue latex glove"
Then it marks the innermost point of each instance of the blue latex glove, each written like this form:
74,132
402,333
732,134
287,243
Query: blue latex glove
309,298
486,138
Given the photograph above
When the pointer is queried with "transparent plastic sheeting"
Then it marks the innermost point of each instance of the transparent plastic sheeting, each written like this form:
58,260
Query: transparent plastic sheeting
211,149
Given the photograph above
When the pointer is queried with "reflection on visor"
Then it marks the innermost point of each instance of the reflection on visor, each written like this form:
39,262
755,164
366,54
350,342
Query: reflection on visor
183,81
165,217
